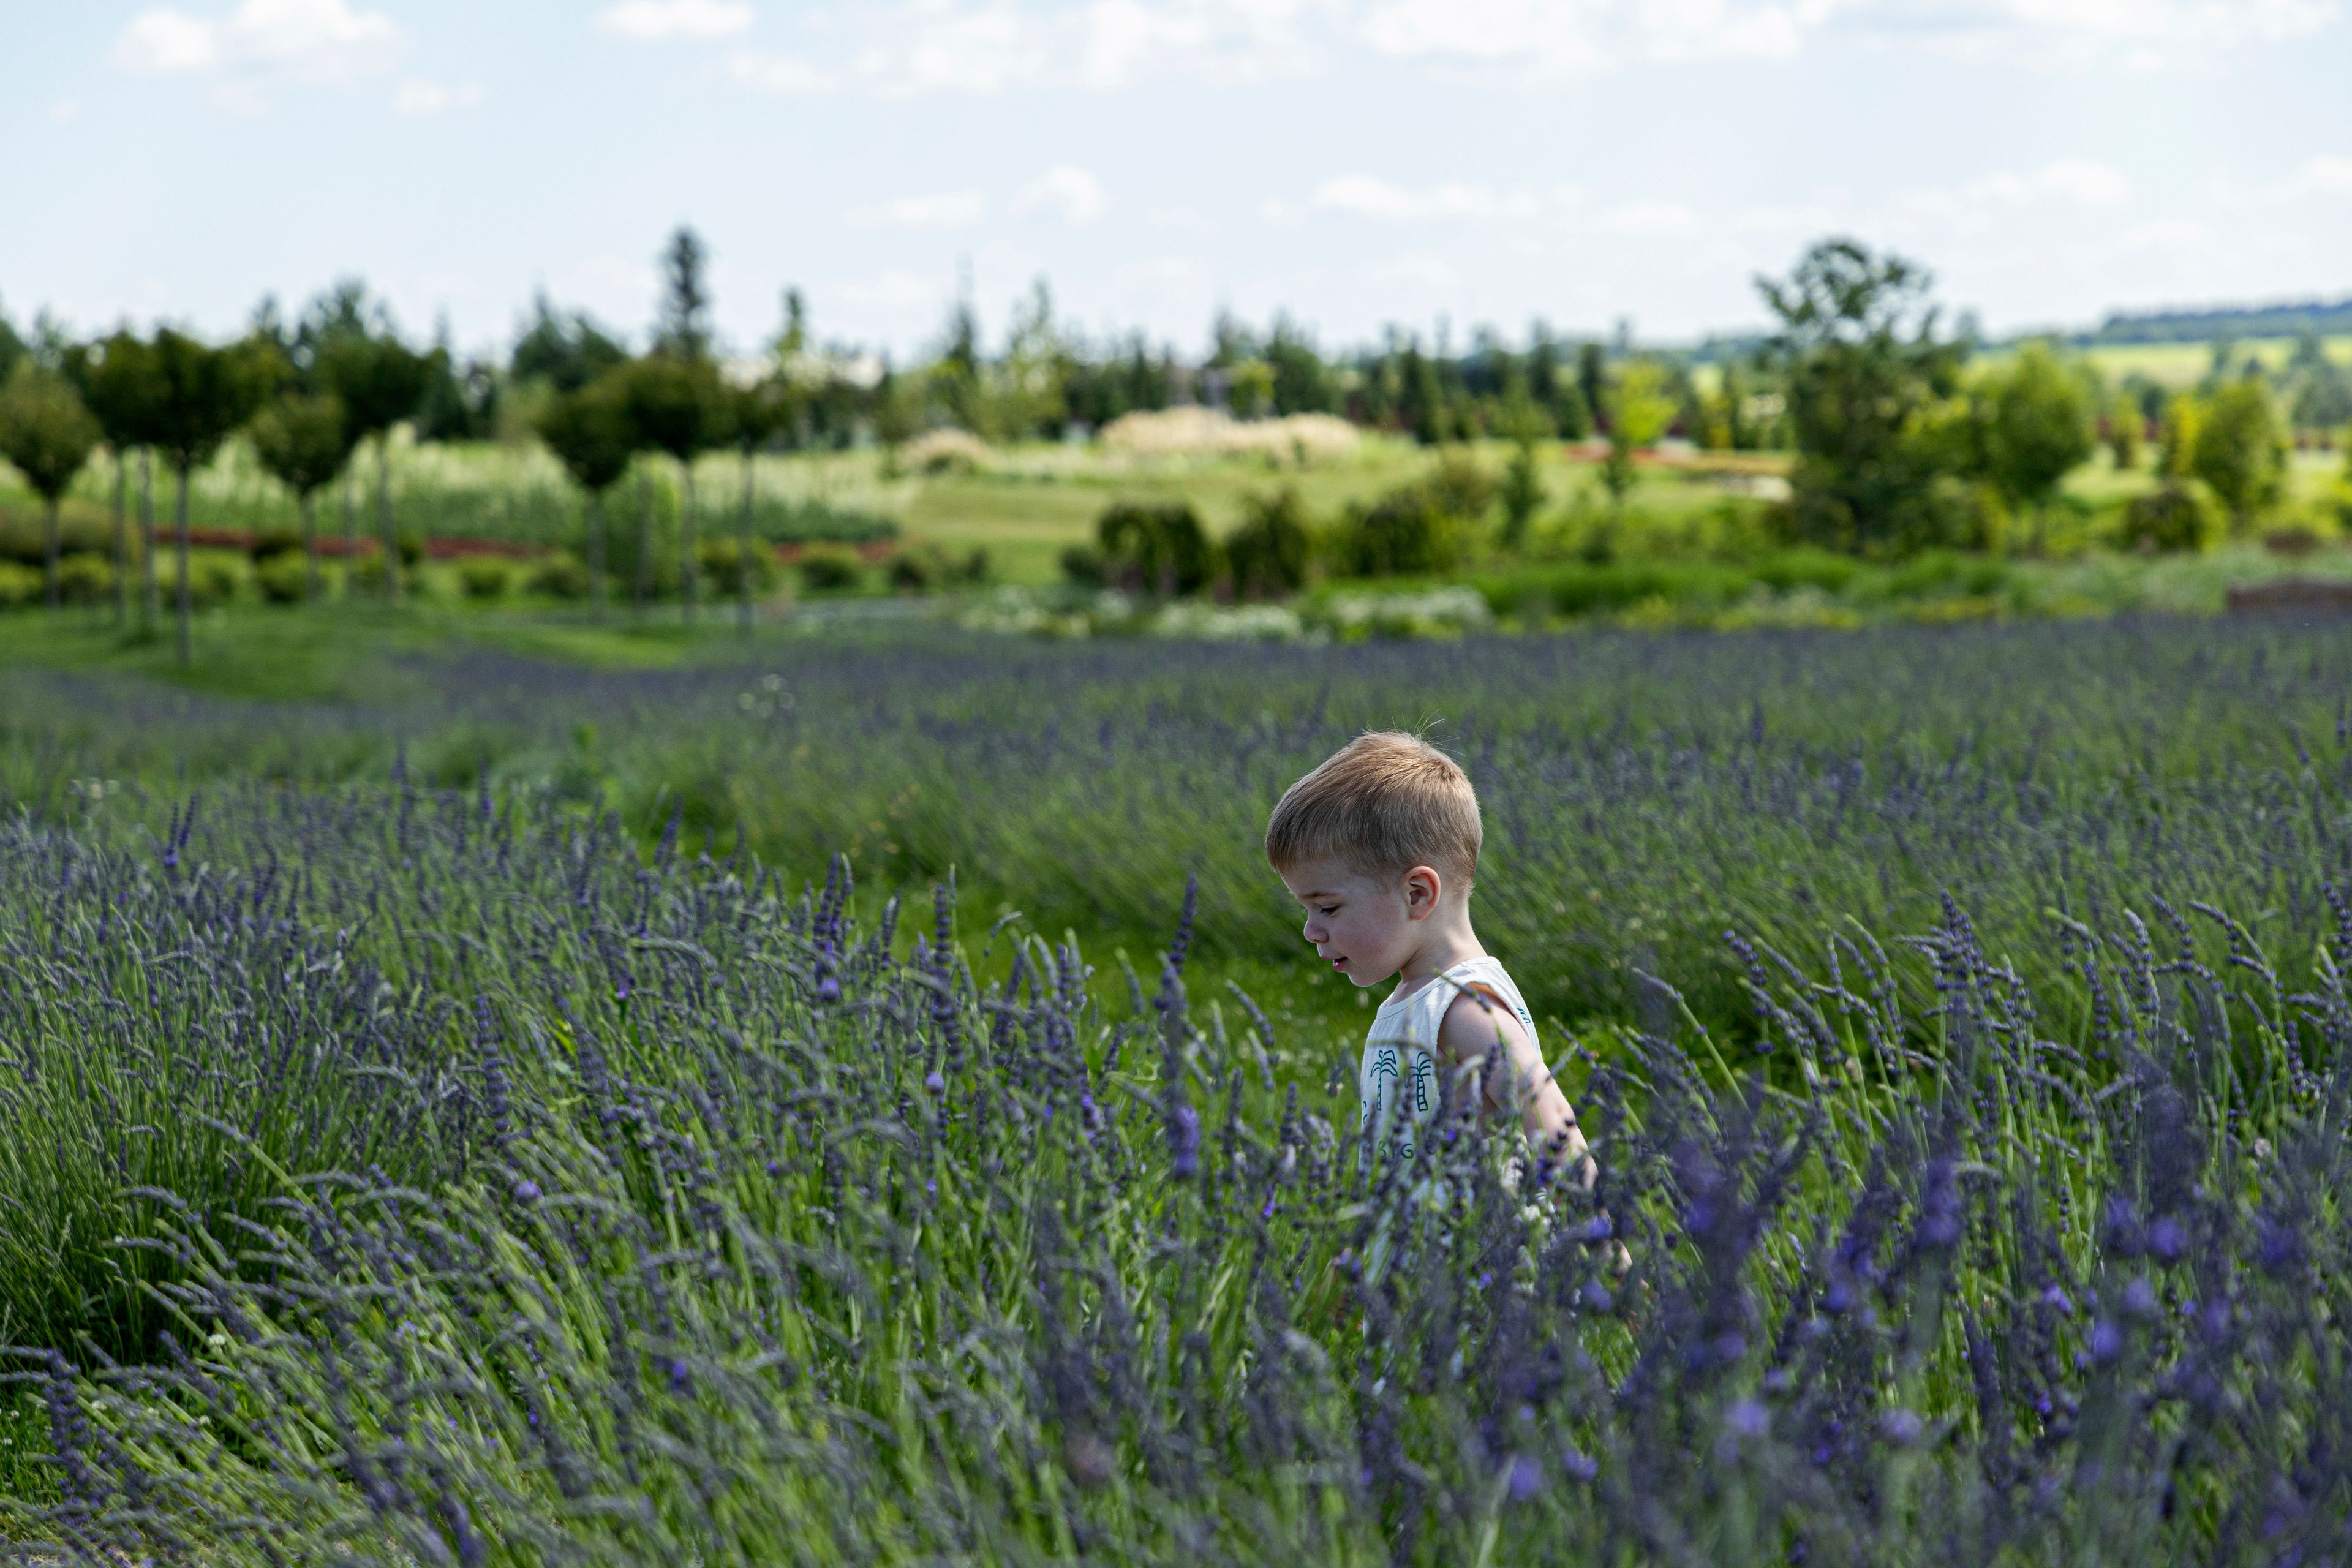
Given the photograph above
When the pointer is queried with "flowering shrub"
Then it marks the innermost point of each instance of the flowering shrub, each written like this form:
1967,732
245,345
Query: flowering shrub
484,1193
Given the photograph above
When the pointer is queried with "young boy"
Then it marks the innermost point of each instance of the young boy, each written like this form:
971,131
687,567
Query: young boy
1379,845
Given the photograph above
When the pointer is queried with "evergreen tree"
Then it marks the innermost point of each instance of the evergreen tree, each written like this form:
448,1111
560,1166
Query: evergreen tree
684,328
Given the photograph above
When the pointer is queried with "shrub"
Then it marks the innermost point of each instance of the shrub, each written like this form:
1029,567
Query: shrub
1269,553
1083,564
722,566
80,527
560,574
1155,548
269,542
1403,532
928,566
826,568
213,581
2172,517
85,577
485,578
944,452
282,578
2239,451
19,585
1458,488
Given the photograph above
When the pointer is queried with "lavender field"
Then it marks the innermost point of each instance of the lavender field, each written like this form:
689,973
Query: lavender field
853,1100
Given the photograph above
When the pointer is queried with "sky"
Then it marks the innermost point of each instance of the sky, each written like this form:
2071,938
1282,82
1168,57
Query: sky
1433,163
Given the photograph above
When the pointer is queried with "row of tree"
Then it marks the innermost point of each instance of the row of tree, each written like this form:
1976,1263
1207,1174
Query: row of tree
309,397
1897,446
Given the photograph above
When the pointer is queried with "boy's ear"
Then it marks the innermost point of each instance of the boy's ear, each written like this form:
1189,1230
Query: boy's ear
1422,888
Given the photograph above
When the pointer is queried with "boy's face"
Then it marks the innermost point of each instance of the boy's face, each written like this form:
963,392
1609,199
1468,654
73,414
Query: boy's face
1363,926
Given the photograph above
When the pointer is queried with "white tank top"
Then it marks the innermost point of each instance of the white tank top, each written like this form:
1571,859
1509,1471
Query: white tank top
1398,1080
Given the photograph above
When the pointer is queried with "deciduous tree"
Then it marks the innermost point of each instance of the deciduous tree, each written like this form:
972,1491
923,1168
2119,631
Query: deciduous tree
1864,362
47,434
590,430
305,440
205,392
118,379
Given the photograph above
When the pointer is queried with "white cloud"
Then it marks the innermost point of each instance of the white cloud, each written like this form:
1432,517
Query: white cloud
308,40
1067,189
2321,177
1368,196
900,49
416,97
1181,220
1586,35
2147,33
1650,218
657,20
786,75
950,209
915,48
2082,184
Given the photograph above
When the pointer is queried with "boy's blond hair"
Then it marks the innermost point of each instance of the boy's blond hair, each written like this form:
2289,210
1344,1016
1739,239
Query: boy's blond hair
1384,803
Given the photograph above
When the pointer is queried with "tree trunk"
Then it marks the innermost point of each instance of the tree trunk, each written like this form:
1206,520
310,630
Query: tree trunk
50,588
121,540
309,547
686,561
383,517
151,598
642,590
597,554
187,601
743,551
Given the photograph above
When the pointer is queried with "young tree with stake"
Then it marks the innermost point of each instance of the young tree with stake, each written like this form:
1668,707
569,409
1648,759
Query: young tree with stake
592,435
380,380
117,379
49,434
203,392
304,440
755,413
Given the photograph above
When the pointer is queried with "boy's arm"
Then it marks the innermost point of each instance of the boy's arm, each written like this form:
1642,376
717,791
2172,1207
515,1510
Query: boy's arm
1477,1024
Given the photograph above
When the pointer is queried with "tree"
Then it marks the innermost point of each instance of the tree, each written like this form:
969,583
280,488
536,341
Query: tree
203,392
1863,363
591,434
678,406
2123,432
1639,411
755,414
380,382
1591,384
565,349
1302,383
118,379
684,328
47,434
11,348
2036,428
2239,451
1523,493
304,440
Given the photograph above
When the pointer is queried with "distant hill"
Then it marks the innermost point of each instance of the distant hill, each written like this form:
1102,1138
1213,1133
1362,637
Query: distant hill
2223,321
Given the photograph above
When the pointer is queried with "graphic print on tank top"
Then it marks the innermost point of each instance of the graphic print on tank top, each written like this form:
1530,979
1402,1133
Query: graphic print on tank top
1397,1081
